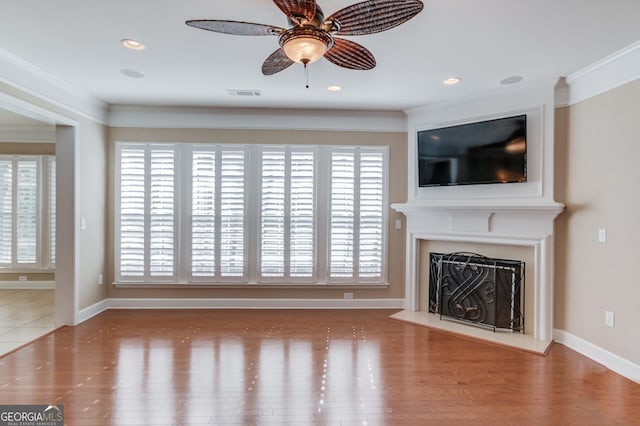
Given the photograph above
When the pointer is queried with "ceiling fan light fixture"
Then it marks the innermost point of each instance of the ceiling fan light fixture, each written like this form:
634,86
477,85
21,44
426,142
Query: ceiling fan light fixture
305,45
310,36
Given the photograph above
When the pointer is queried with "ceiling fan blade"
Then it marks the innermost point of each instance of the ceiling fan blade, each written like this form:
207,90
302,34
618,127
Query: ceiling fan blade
235,27
347,54
276,62
297,8
373,16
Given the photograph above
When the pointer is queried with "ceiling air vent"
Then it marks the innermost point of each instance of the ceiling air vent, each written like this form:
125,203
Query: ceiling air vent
235,92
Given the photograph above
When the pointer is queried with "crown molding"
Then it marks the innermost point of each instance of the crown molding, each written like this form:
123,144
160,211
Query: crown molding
32,80
615,70
256,118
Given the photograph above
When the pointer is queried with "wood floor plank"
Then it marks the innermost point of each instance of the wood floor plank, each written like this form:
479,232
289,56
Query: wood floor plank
277,367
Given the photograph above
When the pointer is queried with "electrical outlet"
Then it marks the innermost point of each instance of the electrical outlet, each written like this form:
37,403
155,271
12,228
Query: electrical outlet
398,224
609,319
348,295
100,279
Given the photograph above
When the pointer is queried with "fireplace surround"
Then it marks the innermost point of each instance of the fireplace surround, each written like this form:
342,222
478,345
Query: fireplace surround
519,223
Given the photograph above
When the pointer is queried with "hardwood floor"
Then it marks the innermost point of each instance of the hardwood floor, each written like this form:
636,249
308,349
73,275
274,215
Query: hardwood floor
277,367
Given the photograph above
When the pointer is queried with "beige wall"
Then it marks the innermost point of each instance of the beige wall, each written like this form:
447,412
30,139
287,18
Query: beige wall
397,143
31,276
20,148
597,176
92,187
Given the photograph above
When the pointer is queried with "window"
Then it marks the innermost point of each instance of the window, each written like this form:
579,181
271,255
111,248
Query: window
217,214
196,213
287,213
51,203
27,212
357,215
147,213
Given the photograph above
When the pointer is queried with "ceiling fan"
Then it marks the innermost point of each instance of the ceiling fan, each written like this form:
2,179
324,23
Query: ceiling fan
311,36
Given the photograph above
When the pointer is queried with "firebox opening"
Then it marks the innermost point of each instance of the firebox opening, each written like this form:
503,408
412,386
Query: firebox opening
478,290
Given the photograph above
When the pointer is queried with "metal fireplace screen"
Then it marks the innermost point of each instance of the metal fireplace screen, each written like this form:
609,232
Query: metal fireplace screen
475,289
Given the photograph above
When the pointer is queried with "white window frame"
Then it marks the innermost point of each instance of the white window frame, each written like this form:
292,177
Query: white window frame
45,228
252,217
356,278
287,151
186,274
146,277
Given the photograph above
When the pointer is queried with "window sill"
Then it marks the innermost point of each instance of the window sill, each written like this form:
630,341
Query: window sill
27,271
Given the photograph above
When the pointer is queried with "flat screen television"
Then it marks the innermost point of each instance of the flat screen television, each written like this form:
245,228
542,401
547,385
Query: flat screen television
492,151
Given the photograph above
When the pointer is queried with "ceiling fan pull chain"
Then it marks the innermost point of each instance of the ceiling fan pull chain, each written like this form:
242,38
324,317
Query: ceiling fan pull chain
306,74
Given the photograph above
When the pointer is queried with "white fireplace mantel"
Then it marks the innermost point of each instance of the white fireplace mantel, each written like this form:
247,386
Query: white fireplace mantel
518,222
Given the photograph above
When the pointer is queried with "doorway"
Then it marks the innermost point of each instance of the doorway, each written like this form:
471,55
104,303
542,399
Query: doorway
33,312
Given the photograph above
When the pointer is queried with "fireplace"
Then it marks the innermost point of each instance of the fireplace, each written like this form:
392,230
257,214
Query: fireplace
478,290
502,229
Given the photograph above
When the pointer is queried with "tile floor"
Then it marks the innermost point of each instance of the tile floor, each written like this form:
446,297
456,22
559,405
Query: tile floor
25,315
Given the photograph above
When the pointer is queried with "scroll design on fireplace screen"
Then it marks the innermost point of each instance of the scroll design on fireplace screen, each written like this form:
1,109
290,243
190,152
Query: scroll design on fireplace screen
475,289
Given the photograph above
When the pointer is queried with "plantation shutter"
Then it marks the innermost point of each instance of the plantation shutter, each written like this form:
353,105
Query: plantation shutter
343,211
302,227
357,215
287,221
6,212
147,212
162,213
203,214
51,240
272,226
211,232
371,214
232,214
132,212
25,194
27,208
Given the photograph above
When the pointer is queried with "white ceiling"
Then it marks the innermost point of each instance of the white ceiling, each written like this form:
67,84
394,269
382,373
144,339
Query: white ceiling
481,41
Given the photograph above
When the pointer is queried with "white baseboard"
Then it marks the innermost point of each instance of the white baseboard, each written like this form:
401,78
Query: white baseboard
612,361
93,310
147,303
27,285
186,303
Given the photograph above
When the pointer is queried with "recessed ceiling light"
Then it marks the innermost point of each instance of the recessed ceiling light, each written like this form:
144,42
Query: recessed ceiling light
512,80
451,81
334,88
132,44
132,73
